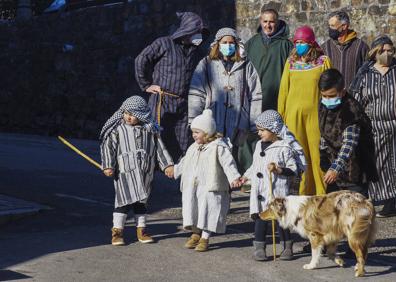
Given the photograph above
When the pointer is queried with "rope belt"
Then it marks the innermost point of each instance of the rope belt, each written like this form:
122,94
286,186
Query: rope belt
161,94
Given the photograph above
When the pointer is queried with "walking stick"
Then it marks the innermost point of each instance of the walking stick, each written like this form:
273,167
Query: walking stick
159,105
272,220
64,141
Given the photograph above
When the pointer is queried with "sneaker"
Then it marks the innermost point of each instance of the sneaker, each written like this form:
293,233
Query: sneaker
192,241
203,245
116,237
142,236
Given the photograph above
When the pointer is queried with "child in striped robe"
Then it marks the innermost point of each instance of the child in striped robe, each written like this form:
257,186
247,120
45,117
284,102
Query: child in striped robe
130,148
279,153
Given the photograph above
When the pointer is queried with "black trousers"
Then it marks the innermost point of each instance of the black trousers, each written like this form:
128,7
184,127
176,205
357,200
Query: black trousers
138,208
260,231
360,188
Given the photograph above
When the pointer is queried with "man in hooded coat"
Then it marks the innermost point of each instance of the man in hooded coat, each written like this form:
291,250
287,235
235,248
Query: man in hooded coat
164,70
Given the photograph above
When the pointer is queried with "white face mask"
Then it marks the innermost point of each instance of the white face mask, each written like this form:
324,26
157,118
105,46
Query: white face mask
196,39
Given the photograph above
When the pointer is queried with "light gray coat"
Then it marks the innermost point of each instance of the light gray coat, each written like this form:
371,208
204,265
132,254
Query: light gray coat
281,153
206,172
234,97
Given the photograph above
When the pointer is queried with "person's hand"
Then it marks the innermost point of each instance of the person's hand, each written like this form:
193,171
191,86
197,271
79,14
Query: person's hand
236,183
272,167
109,172
330,176
153,89
243,180
170,171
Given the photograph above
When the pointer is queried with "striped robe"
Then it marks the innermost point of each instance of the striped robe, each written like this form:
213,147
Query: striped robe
280,153
346,58
170,65
132,152
377,94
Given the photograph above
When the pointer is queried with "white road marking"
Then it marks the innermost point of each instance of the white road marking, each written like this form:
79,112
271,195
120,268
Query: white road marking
84,199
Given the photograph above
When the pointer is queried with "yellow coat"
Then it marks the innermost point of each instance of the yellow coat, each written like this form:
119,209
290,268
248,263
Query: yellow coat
298,103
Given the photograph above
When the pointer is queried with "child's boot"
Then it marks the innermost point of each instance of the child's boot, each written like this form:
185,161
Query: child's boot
259,251
192,241
116,237
287,253
203,245
142,236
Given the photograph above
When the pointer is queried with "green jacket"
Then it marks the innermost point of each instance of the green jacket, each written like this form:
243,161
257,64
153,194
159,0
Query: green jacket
268,56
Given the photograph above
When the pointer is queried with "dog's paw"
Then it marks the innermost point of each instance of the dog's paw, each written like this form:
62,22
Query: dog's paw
356,267
308,266
359,273
340,262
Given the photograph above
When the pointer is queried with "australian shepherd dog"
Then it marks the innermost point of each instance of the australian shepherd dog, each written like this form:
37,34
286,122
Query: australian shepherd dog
327,219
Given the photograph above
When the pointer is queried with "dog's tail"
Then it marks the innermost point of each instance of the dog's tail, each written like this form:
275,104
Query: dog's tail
364,227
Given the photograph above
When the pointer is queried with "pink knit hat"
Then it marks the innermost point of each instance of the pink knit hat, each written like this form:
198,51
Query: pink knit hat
306,34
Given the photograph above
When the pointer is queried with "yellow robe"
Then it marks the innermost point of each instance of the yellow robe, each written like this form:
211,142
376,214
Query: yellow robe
298,103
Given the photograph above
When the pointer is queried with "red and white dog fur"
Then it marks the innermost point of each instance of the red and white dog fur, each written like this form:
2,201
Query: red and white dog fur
327,219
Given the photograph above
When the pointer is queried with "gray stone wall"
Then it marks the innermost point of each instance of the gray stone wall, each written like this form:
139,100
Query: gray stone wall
65,73
368,17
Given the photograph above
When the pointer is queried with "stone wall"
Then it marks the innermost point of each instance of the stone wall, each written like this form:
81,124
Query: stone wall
66,73
368,17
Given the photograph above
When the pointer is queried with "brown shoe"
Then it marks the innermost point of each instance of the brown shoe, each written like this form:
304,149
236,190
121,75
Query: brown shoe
192,241
203,245
142,236
116,237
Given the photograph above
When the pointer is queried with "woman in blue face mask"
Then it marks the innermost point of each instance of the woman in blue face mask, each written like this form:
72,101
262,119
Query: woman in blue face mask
229,85
298,102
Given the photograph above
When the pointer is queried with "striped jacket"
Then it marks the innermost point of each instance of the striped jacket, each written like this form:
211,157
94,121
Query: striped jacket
132,152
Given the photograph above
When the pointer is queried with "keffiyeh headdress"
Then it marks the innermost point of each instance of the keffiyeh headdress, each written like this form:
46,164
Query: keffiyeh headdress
272,121
134,105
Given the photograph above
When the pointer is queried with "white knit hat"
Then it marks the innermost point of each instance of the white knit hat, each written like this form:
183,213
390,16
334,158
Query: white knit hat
205,122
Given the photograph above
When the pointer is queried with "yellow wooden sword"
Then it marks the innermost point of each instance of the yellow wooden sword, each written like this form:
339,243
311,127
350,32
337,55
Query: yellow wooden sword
64,141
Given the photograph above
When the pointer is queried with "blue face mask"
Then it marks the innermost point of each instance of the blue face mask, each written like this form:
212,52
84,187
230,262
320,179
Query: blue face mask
227,49
331,103
302,48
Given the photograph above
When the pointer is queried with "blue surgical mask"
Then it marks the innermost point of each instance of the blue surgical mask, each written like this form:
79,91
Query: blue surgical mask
196,39
302,48
227,49
331,103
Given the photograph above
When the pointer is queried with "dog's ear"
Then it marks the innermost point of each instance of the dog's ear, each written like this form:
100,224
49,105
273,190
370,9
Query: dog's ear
267,214
280,206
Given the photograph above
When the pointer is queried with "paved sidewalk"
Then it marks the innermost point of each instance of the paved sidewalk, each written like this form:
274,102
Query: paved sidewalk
13,208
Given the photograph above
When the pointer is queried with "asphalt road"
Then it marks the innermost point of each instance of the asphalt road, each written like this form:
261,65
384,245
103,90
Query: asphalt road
69,241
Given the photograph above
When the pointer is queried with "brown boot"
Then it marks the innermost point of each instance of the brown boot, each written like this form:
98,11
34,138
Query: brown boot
142,236
192,241
203,245
116,237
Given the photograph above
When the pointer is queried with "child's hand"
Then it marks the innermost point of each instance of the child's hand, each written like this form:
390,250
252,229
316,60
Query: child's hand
243,180
108,172
170,171
236,183
330,176
273,167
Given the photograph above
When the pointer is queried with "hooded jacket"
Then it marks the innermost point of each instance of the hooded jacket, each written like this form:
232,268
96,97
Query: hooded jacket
268,55
170,64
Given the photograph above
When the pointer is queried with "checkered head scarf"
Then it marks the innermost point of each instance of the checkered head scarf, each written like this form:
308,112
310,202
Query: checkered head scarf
227,31
137,107
272,121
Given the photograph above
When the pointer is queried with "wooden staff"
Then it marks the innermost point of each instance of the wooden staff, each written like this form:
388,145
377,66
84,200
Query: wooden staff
64,141
272,220
159,105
